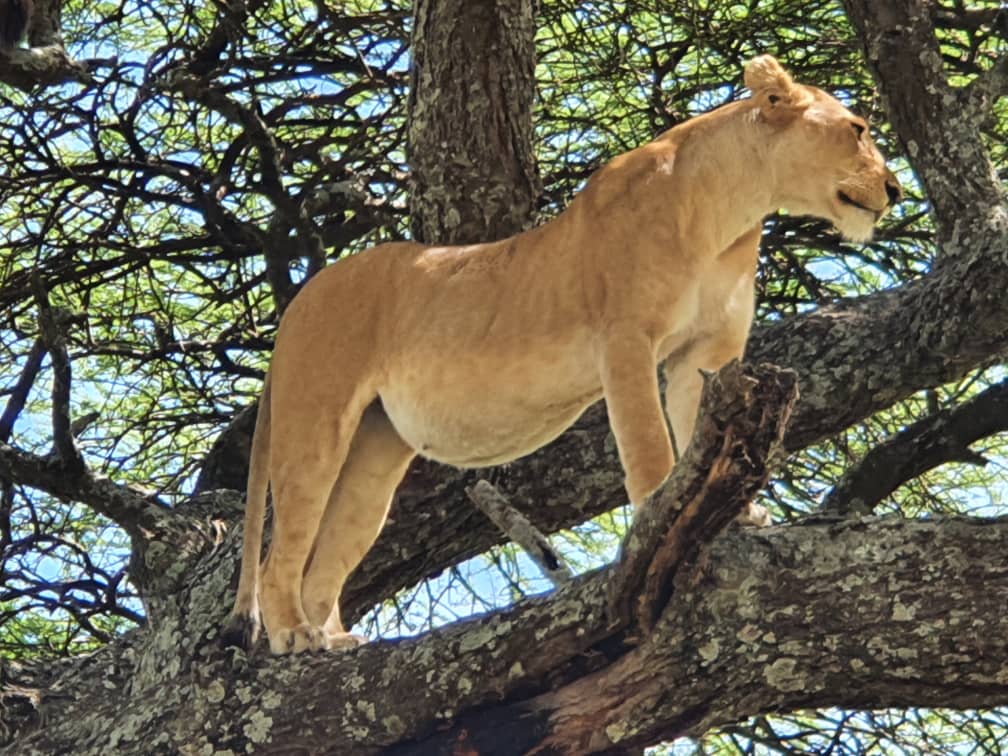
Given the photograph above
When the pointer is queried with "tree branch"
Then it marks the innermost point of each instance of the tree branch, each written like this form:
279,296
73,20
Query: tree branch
857,614
19,394
231,20
125,505
43,67
928,443
861,355
520,530
742,419
941,138
291,214
804,617
46,61
52,323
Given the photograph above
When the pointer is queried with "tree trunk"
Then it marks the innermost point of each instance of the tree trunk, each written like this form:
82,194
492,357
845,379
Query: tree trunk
473,176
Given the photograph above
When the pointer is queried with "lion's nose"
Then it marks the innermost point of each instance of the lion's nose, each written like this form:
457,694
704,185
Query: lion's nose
893,190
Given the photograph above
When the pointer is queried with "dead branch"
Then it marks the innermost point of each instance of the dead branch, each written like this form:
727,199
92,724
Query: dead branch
743,414
519,529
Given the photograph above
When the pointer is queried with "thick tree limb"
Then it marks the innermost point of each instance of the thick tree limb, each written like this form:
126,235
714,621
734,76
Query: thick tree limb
43,66
46,61
859,356
928,443
488,186
864,613
787,624
940,136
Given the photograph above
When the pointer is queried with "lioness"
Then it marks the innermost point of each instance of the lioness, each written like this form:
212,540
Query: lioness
476,355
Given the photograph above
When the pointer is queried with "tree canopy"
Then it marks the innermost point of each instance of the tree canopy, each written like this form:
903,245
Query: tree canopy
172,173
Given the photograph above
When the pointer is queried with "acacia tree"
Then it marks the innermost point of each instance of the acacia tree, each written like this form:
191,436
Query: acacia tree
173,174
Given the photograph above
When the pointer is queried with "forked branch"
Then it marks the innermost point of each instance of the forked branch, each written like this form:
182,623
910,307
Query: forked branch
743,413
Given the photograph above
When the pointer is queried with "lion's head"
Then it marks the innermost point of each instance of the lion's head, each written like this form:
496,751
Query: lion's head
829,165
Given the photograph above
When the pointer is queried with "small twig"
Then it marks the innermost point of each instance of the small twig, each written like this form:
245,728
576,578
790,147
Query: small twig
51,324
496,507
19,394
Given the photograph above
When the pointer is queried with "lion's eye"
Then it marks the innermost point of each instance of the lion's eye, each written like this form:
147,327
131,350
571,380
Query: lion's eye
859,128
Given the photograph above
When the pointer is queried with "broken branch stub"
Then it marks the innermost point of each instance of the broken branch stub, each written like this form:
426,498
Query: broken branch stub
743,413
520,530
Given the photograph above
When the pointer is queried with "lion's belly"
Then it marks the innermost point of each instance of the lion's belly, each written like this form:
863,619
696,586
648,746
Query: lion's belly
480,416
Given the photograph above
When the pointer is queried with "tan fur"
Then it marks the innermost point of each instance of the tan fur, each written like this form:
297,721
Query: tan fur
476,355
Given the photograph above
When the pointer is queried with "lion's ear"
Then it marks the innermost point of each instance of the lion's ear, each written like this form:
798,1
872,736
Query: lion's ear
773,88
764,72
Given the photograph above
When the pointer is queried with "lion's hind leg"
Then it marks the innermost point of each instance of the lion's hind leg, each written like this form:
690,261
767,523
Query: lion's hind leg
308,448
358,504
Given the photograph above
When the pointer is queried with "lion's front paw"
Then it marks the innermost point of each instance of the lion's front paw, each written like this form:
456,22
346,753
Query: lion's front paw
335,641
303,637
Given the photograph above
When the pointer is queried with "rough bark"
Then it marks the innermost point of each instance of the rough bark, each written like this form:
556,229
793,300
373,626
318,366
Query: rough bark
43,66
859,613
45,61
472,168
862,613
899,611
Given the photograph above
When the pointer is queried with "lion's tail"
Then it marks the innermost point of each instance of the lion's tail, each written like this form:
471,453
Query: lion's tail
242,627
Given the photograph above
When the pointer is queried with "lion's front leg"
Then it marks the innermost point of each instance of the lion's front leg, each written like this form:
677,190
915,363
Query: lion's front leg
728,296
684,381
630,385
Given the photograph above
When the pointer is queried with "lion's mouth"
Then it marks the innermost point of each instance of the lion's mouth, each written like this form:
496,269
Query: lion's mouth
848,200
